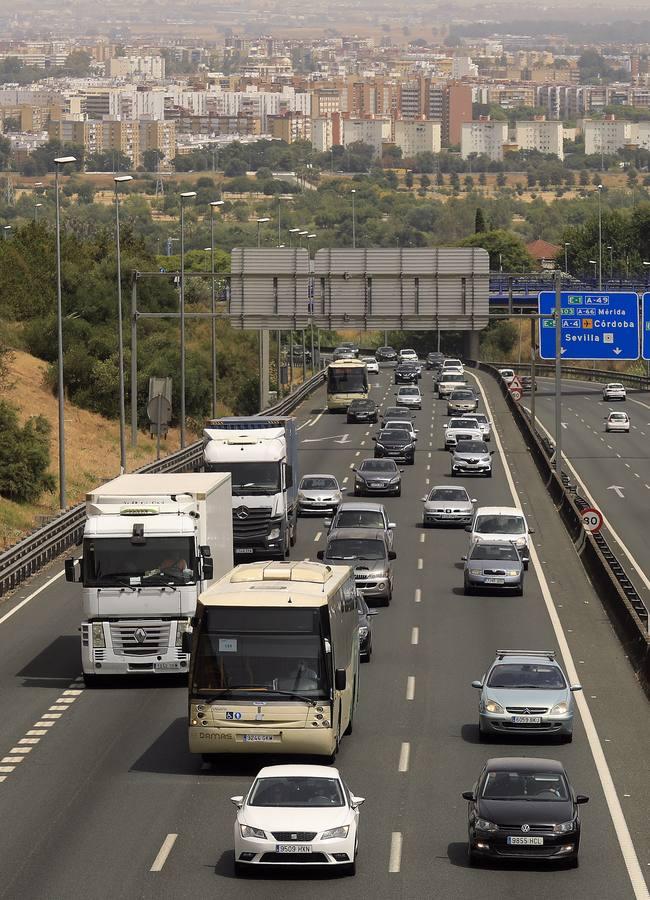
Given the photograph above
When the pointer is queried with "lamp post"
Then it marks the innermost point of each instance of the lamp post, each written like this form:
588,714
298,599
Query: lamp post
263,339
354,220
37,206
309,238
60,161
301,235
118,180
259,236
611,261
185,195
279,220
600,238
292,231
594,263
566,257
214,204
5,232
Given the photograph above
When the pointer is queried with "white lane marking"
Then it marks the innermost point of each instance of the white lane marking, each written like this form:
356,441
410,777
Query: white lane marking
7,769
420,563
57,708
422,538
367,433
418,595
31,597
36,731
410,687
404,755
358,453
21,750
318,536
628,466
609,790
163,853
363,444
72,692
640,402
318,417
300,427
395,859
415,635
11,759
345,480
352,465
41,724
29,740
52,715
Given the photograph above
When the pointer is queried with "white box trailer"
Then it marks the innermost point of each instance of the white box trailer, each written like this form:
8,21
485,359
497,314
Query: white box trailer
152,543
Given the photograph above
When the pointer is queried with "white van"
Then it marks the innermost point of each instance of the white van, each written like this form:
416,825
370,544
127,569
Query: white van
501,523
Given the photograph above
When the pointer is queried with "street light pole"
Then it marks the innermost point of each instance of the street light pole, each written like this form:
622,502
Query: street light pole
594,263
611,261
600,238
354,220
5,232
264,340
566,257
259,236
185,195
292,231
213,332
37,206
120,179
60,161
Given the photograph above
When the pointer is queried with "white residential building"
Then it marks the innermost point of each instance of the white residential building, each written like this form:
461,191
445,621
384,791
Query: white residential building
152,67
415,136
463,67
606,135
321,134
641,135
369,131
483,137
546,137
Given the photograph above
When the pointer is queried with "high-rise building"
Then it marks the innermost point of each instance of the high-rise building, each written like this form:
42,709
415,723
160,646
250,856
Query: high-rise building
484,138
538,134
415,136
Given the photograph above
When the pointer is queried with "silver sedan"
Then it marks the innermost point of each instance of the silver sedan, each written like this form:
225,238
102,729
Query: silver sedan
447,506
493,566
318,494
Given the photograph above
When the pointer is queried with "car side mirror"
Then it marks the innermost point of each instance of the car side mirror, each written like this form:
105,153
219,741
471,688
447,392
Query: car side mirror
327,522
392,525
445,425
205,551
392,555
575,687
72,570
186,642
417,430
356,801
478,685
473,500
340,679
320,555
354,468
464,558
238,801
531,531
372,612
468,795
582,798
424,499
373,438
401,471
468,528
492,452
525,559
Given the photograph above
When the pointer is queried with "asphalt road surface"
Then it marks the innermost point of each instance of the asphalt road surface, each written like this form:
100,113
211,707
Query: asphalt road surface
98,786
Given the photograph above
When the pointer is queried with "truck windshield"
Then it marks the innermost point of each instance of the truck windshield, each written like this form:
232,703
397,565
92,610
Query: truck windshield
116,561
250,477
261,652
352,380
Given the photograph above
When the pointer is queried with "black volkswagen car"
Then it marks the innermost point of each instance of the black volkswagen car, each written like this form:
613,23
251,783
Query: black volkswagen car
397,443
523,808
385,354
363,411
406,373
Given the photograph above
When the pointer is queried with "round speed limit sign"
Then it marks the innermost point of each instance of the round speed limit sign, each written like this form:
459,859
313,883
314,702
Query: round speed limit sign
592,519
516,394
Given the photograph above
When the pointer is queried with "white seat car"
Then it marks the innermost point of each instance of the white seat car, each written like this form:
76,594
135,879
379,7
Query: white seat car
461,429
297,816
451,363
483,423
614,391
406,424
408,355
501,523
507,375
372,366
617,421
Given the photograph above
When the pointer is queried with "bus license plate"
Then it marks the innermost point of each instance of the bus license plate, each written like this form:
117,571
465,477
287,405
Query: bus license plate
515,839
293,848
259,737
243,549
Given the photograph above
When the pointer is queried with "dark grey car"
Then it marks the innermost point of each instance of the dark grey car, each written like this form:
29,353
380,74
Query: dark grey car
377,476
367,551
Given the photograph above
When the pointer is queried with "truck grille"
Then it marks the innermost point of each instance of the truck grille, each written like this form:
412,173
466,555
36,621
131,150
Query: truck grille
140,638
250,523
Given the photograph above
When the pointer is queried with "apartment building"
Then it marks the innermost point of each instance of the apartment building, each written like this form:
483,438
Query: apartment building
150,67
541,135
417,136
130,137
369,131
484,137
289,127
606,135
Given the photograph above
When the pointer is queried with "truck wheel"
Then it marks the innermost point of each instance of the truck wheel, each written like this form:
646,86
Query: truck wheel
91,680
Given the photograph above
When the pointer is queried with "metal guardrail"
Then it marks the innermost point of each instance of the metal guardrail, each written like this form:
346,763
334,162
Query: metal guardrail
547,369
30,554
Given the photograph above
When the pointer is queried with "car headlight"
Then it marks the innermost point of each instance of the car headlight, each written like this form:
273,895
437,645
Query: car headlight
564,827
248,831
475,571
560,709
484,825
492,706
98,635
520,542
363,631
486,459
380,446
301,496
394,480
340,832
274,534
512,573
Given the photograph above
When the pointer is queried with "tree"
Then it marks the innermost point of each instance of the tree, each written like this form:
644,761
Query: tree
24,456
501,179
77,63
408,179
507,250
425,182
234,168
482,180
479,221
152,158
455,181
468,182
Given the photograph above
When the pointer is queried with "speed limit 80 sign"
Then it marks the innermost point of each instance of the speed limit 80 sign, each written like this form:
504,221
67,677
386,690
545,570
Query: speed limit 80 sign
592,519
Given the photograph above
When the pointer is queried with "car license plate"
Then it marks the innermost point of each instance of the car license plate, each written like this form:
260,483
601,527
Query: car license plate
516,839
293,848
167,666
256,738
375,484
494,581
527,720
243,549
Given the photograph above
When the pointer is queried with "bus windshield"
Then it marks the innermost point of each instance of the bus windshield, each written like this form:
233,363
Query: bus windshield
347,380
257,652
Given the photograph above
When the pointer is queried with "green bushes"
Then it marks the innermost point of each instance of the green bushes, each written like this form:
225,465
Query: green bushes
24,456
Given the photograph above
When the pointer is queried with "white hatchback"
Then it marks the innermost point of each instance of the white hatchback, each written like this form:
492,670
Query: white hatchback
408,355
297,816
372,366
617,421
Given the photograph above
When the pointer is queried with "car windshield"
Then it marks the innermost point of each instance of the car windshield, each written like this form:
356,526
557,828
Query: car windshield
462,423
250,477
453,377
319,483
478,417
449,495
409,392
392,424
525,786
452,363
385,466
395,434
360,518
355,548
500,525
615,387
391,411
494,552
471,447
361,404
541,676
618,417
296,791
462,395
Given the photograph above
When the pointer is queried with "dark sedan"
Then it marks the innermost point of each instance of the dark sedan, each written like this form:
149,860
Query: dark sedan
365,628
523,808
385,354
377,476
363,411
395,412
396,443
434,359
406,373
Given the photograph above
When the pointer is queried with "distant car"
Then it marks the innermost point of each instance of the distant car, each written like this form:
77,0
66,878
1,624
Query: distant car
350,345
406,373
343,353
525,692
507,375
401,423
408,355
434,359
471,458
367,551
527,384
372,366
450,382
459,428
377,476
483,423
396,443
495,566
386,354
365,628
451,362
501,523
447,506
363,514
617,421
409,397
462,400
318,494
362,411
523,808
282,797
614,391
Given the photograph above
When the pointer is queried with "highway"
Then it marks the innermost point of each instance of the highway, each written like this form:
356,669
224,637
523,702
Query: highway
613,468
108,790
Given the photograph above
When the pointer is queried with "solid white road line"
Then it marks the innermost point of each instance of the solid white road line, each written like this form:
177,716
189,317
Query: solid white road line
300,427
31,597
609,790
395,859
163,853
415,635
422,538
418,595
404,755
410,687
318,417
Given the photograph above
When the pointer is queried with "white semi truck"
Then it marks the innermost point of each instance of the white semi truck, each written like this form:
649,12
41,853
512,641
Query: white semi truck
152,543
261,455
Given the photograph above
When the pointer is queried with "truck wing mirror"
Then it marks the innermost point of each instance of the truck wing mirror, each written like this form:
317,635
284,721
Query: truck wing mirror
320,555
208,569
340,679
205,551
289,476
72,569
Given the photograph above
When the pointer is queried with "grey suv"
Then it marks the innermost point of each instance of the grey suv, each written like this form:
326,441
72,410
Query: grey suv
366,549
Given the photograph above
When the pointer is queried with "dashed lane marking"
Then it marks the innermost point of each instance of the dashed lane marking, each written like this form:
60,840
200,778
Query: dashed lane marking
395,859
163,853
415,635
418,595
404,756
318,536
410,687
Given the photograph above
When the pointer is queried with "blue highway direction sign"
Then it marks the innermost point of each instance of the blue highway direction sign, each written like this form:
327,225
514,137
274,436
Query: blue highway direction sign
595,325
645,334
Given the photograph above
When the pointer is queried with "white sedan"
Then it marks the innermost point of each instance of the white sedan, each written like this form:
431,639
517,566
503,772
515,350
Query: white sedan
614,391
297,816
617,421
372,366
